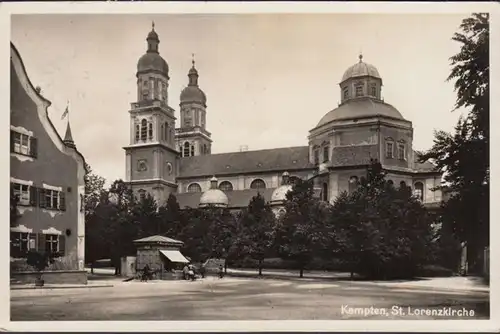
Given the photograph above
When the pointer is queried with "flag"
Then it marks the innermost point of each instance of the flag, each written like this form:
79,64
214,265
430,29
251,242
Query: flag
66,111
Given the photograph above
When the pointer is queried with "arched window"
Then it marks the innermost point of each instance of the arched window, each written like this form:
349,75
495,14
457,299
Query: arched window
142,194
326,155
419,190
402,184
150,132
324,192
353,184
144,129
186,150
162,131
167,131
226,186
258,184
194,188
390,182
137,132
192,150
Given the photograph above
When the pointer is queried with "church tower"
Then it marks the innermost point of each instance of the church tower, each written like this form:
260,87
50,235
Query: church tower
151,155
192,138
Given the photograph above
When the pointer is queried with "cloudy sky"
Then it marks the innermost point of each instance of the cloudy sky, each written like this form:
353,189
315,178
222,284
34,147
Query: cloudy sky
269,78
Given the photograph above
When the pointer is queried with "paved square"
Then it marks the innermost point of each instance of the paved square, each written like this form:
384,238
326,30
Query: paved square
238,299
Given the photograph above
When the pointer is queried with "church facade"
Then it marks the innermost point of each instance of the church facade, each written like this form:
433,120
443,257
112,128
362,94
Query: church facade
163,158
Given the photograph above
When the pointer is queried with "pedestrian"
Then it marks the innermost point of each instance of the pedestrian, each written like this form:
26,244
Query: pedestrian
191,272
221,271
145,273
202,270
185,272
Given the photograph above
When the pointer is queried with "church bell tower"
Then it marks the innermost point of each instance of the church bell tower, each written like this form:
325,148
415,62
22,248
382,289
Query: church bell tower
151,154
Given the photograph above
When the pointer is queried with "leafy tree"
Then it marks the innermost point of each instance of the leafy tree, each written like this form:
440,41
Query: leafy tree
383,232
222,231
255,235
464,155
171,219
302,231
94,186
196,234
144,216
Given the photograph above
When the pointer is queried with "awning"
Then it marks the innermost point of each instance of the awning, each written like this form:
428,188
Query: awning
174,256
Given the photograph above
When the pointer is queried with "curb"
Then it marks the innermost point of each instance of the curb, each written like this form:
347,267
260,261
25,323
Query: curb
29,287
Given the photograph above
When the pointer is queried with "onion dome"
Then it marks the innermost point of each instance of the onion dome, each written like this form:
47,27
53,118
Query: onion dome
360,69
279,194
151,61
193,93
213,197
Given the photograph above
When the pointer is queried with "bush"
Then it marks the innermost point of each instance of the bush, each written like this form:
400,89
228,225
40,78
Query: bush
433,270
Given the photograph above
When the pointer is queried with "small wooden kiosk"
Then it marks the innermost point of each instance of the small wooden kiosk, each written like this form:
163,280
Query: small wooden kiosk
161,254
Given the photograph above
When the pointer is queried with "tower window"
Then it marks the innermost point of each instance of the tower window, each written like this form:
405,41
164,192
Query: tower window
373,89
144,129
316,157
160,90
185,152
226,186
419,191
401,152
137,132
389,150
258,184
326,151
150,132
162,131
192,150
359,90
194,188
346,93
142,194
167,130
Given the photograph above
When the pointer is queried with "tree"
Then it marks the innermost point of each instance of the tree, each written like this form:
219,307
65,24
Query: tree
383,232
94,186
302,231
222,231
255,234
464,155
171,220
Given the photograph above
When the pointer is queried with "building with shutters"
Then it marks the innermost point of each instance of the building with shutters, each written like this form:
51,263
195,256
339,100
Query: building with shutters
164,158
47,177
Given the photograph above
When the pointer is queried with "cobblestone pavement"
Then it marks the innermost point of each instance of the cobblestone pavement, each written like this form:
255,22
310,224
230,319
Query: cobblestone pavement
245,299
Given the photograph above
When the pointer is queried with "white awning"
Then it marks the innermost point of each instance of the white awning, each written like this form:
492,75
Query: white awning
174,256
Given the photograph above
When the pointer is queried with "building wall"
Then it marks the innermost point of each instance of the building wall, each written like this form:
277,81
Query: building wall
55,167
396,136
242,181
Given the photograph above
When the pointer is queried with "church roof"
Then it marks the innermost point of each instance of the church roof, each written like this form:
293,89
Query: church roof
237,198
278,159
360,69
360,107
159,238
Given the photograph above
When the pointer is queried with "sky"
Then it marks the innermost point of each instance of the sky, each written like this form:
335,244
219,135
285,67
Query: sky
269,78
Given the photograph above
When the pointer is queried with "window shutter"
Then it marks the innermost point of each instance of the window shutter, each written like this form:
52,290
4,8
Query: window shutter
12,133
62,245
62,201
41,198
33,147
41,242
33,196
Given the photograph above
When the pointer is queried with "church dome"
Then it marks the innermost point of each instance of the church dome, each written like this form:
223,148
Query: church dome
361,107
193,93
152,62
360,69
213,196
279,194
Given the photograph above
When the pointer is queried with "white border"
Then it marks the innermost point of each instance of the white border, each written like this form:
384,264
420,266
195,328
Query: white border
21,229
253,7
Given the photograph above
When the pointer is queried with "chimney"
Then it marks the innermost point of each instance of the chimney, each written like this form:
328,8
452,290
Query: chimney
243,148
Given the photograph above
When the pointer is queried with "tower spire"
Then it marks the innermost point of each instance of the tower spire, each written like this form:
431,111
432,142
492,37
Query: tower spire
68,137
192,59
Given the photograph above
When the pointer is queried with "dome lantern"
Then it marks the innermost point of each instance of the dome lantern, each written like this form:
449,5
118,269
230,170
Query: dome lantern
151,61
279,194
192,93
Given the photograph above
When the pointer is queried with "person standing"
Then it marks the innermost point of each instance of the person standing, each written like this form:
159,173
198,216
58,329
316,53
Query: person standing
185,272
221,271
202,270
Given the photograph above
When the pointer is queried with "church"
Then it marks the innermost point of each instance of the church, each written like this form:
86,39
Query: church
163,158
